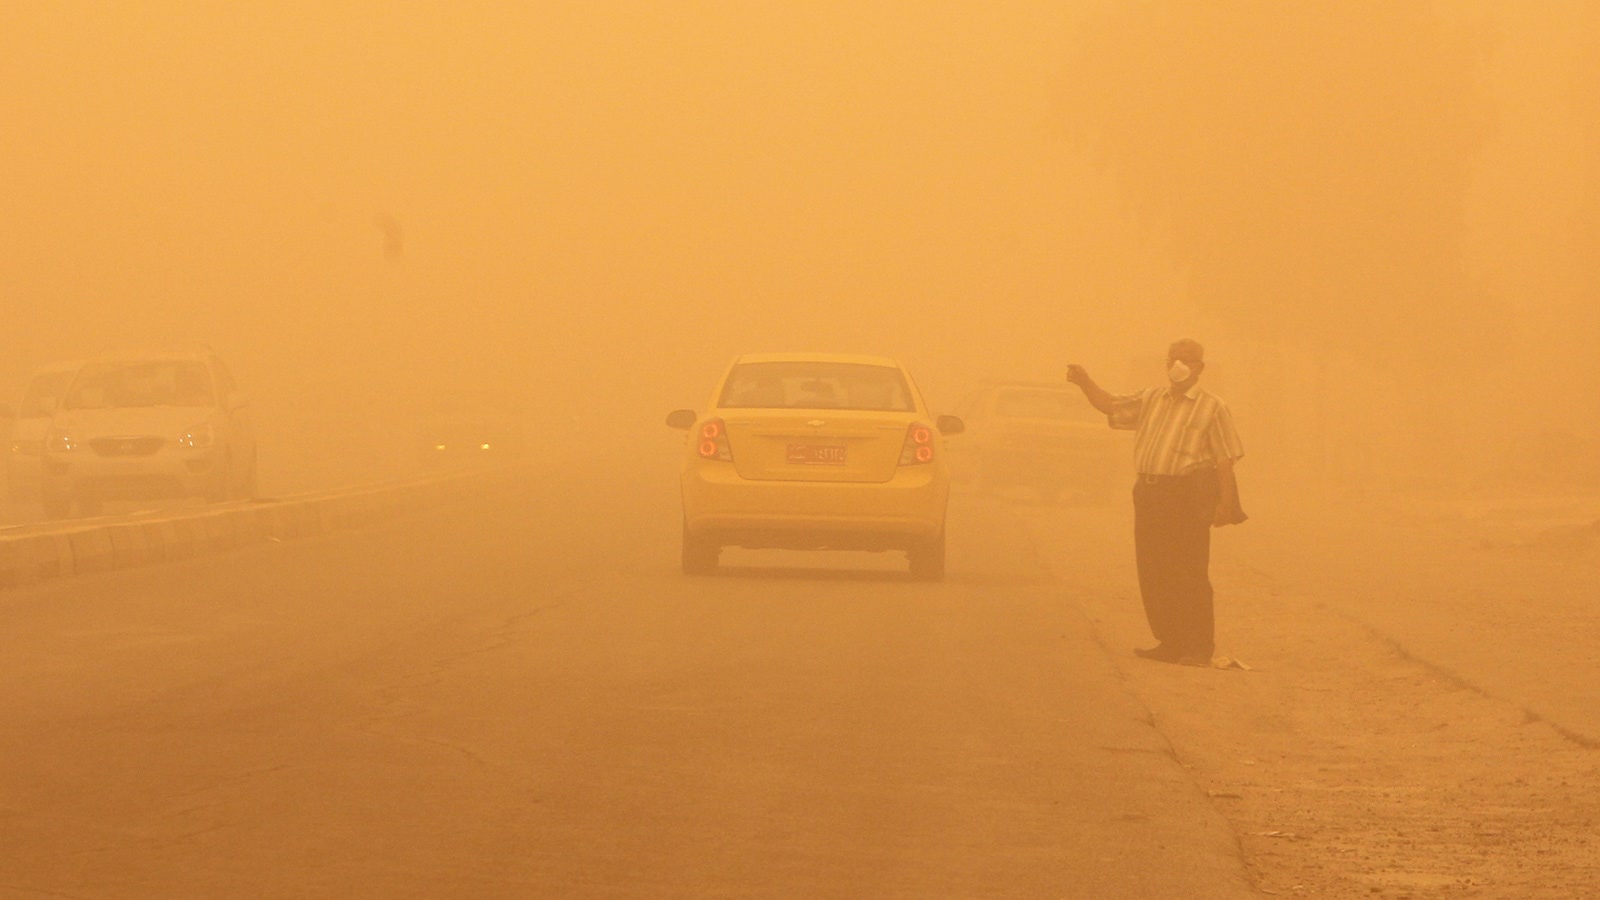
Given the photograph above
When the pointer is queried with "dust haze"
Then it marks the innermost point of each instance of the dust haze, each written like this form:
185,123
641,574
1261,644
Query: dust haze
359,205
1381,218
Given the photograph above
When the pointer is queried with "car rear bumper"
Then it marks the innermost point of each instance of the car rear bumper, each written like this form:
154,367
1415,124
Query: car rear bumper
815,515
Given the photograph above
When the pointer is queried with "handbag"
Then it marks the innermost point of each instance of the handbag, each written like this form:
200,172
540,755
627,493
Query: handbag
1238,508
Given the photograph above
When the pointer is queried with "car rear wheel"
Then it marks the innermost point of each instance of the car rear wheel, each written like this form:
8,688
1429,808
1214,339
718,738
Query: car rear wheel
247,488
699,553
927,558
220,488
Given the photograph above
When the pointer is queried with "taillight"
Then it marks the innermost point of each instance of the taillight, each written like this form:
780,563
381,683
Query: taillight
918,448
714,441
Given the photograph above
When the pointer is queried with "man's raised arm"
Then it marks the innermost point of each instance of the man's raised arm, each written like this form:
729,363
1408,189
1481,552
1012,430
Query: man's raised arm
1098,397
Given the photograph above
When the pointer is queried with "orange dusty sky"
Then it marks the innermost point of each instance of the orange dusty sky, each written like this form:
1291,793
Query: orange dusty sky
605,202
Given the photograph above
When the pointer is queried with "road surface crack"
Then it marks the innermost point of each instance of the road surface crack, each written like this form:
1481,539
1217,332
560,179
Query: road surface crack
394,705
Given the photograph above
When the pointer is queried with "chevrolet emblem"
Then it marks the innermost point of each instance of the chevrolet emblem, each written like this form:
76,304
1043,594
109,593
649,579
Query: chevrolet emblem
816,423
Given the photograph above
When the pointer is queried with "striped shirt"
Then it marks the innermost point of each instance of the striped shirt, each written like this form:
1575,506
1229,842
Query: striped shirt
1176,435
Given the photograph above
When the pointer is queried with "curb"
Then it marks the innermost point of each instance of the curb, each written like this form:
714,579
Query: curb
61,550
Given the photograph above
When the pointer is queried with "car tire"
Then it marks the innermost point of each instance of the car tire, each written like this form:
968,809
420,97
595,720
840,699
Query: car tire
699,553
221,489
927,558
247,488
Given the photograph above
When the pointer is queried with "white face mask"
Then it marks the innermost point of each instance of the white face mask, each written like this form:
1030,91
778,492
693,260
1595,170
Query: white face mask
1179,372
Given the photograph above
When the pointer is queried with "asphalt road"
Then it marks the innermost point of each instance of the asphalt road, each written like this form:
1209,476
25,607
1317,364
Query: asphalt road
521,696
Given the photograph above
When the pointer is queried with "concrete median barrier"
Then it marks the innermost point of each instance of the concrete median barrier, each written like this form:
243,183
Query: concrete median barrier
34,558
129,546
91,550
34,553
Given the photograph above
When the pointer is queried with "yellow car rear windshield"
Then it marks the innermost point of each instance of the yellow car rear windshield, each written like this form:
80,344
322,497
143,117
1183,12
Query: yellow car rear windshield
816,385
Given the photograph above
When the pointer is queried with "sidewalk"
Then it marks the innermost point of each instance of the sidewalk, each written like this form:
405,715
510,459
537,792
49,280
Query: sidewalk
1499,590
1351,761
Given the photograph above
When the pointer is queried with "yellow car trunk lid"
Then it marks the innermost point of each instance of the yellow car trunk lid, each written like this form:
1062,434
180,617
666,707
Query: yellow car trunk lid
817,445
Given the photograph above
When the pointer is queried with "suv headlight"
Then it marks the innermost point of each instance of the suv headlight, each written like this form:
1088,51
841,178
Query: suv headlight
199,436
60,442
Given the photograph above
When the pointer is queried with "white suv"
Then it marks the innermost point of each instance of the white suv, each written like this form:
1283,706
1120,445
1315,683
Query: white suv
147,426
25,443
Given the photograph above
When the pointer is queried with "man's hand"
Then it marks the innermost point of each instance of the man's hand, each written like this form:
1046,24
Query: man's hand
1098,398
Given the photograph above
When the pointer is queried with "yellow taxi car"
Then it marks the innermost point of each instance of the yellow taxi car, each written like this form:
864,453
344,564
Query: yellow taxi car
815,452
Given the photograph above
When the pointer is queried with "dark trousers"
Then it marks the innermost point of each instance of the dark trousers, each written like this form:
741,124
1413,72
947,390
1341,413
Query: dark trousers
1172,542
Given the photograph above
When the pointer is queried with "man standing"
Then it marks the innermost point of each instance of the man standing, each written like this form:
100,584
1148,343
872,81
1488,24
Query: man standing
1184,450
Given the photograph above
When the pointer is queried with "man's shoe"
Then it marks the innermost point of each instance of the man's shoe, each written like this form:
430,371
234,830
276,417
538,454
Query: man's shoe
1159,653
1192,658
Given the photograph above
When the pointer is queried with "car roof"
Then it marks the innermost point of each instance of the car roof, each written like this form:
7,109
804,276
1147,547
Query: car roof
135,356
57,368
853,358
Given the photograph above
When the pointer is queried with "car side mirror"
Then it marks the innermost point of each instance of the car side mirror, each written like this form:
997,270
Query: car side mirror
682,419
237,400
949,424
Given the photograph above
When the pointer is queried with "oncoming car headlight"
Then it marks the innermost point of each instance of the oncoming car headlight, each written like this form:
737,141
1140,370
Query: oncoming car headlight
199,436
60,442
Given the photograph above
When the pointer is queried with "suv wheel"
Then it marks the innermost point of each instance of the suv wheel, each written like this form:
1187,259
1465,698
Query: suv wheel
247,488
221,487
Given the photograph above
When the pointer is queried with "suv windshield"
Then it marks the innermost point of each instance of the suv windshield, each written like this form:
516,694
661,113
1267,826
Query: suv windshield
43,387
122,385
816,385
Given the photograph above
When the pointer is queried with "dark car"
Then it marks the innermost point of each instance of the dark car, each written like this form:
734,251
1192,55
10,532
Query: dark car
466,427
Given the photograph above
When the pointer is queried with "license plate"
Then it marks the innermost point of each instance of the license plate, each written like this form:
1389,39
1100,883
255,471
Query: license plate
816,454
